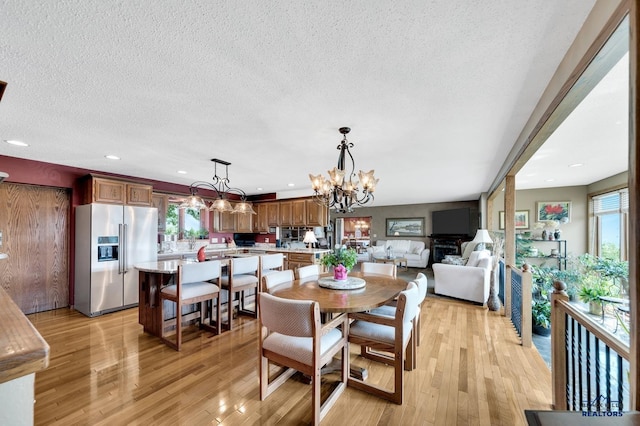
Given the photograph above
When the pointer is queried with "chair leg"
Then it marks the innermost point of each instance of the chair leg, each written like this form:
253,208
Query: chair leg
315,396
178,325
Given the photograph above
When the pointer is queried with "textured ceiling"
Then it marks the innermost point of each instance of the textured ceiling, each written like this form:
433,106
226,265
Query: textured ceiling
436,92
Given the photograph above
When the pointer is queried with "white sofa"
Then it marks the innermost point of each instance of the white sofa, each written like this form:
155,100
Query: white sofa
468,282
414,251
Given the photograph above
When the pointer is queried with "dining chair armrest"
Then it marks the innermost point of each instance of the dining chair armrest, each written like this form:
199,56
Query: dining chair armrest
375,319
335,322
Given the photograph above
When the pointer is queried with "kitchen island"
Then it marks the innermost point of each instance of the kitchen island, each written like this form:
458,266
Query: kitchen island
23,352
155,275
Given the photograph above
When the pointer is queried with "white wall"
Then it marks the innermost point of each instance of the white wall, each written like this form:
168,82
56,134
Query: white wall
16,401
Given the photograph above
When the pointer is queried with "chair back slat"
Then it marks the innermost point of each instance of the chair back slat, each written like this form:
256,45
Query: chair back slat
276,314
272,261
201,271
411,294
388,269
277,278
244,265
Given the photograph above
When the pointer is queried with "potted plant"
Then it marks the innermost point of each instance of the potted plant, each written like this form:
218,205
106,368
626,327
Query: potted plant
541,315
592,289
341,255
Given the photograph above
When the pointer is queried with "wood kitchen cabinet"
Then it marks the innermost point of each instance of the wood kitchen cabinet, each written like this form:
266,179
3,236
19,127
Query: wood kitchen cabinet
160,201
244,222
273,213
114,191
285,213
261,220
296,260
298,213
316,213
224,222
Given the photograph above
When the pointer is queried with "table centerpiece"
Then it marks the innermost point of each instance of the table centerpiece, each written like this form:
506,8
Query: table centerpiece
342,259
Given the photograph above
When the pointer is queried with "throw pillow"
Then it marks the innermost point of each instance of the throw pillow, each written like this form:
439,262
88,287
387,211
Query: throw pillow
416,250
474,257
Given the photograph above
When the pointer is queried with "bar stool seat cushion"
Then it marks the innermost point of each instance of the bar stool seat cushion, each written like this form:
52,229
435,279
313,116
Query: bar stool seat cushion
191,290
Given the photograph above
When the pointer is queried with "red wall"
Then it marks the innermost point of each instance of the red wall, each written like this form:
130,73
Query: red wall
48,174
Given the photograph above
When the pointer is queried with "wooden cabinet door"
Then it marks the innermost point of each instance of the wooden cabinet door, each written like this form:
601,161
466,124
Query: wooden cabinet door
224,222
244,222
107,191
273,213
139,195
261,221
285,213
316,214
160,202
298,213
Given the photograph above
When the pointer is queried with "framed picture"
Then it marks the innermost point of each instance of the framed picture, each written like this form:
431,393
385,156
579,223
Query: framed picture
521,219
405,227
553,210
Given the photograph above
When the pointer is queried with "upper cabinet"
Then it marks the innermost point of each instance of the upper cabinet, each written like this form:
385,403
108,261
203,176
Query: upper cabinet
298,213
244,222
261,220
273,213
316,214
285,213
160,201
114,191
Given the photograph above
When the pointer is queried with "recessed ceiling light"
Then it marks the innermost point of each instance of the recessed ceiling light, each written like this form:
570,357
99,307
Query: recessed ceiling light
576,165
549,180
258,189
291,184
112,157
182,172
17,143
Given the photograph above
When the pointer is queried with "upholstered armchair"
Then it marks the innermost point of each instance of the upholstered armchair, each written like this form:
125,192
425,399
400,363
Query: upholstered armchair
468,282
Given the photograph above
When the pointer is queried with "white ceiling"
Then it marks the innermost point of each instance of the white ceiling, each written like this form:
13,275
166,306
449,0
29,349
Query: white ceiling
436,92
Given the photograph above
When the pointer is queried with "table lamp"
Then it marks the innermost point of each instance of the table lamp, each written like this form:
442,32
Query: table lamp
482,237
309,238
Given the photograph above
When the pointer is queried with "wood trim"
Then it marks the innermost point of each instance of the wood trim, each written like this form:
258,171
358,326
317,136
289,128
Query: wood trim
634,199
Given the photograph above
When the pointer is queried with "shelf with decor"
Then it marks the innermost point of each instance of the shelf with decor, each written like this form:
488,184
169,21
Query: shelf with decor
541,251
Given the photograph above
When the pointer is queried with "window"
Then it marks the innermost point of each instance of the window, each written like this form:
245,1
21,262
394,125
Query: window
184,224
611,219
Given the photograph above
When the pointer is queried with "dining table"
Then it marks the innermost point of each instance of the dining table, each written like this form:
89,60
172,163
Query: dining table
377,291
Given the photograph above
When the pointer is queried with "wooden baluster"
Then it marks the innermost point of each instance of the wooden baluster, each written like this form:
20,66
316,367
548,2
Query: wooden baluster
558,350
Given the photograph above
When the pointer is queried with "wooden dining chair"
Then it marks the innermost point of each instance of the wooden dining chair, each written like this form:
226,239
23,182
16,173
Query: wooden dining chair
308,271
195,283
393,337
293,337
388,269
270,263
241,278
276,278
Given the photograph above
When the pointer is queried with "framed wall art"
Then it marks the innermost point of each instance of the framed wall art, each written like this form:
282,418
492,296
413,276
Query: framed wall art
553,210
521,219
405,227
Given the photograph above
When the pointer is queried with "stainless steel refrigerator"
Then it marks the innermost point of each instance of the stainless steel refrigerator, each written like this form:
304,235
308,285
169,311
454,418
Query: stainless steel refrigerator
110,241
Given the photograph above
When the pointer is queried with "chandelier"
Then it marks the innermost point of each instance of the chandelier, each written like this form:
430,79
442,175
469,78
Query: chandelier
222,189
341,191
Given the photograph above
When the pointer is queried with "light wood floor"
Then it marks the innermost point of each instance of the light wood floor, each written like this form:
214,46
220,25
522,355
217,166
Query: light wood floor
105,370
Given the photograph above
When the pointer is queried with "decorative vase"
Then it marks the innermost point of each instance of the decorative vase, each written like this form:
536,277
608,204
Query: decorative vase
556,234
540,330
339,273
493,303
201,254
544,234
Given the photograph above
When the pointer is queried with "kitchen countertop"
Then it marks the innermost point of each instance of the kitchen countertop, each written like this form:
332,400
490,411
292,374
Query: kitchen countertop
22,349
257,250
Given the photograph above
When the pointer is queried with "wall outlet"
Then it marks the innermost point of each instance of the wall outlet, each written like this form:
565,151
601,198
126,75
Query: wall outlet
375,235
266,240
214,240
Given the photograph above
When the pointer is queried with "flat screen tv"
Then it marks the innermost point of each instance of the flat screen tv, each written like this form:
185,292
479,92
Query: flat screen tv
463,221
